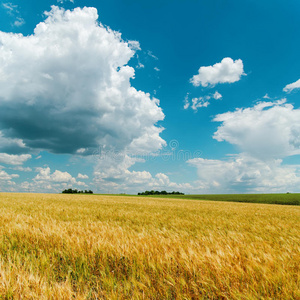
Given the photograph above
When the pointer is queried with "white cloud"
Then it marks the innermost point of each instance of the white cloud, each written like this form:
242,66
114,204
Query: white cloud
5,176
227,71
62,1
266,133
45,181
267,130
82,176
217,95
156,69
44,78
10,7
13,11
243,173
19,22
152,55
292,86
22,169
12,159
112,175
199,102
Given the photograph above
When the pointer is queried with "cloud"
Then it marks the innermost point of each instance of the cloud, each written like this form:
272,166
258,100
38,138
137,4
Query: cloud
6,181
292,86
112,175
198,103
10,7
217,95
45,181
67,87
5,176
19,22
62,1
11,145
243,173
12,159
22,169
266,130
13,11
227,71
82,176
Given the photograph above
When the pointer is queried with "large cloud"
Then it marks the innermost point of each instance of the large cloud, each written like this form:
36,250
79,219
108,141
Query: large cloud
113,175
227,71
267,130
243,173
67,87
265,133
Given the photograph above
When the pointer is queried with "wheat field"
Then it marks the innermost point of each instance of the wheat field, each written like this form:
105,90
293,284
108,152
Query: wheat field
120,247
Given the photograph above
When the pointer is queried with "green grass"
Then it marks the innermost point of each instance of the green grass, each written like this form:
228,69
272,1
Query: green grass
283,199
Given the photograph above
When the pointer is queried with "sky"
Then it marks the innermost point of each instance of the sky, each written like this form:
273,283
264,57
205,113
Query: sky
126,96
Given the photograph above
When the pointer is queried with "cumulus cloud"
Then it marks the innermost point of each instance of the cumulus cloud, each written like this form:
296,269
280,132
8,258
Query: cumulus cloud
292,86
227,71
266,130
12,159
217,95
82,176
113,175
243,173
265,133
45,181
67,87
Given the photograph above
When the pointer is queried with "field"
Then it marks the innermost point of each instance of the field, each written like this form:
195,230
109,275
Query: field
284,199
114,247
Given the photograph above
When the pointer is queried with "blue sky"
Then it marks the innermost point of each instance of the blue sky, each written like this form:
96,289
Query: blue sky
126,96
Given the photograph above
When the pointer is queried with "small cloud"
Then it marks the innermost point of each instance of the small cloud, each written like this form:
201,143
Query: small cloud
266,96
22,169
217,95
81,150
62,1
10,8
292,86
198,103
38,157
13,159
227,71
82,176
156,69
152,55
140,66
19,22
186,101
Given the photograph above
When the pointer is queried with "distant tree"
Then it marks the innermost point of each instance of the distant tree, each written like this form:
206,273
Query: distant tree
75,191
152,192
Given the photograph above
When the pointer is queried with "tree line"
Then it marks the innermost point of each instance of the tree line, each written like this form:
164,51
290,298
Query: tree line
146,193
70,191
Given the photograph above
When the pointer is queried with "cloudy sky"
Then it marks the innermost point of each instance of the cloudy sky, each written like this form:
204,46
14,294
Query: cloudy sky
123,96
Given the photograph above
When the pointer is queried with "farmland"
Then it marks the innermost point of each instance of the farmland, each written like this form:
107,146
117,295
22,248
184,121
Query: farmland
284,199
122,247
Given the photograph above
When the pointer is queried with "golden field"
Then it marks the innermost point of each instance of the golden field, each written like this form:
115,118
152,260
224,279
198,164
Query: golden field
120,247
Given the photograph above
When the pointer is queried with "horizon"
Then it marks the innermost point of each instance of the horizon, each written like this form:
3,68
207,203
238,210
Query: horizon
122,97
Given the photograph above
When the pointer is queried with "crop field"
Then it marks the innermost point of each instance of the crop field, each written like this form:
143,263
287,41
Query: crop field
121,247
284,199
